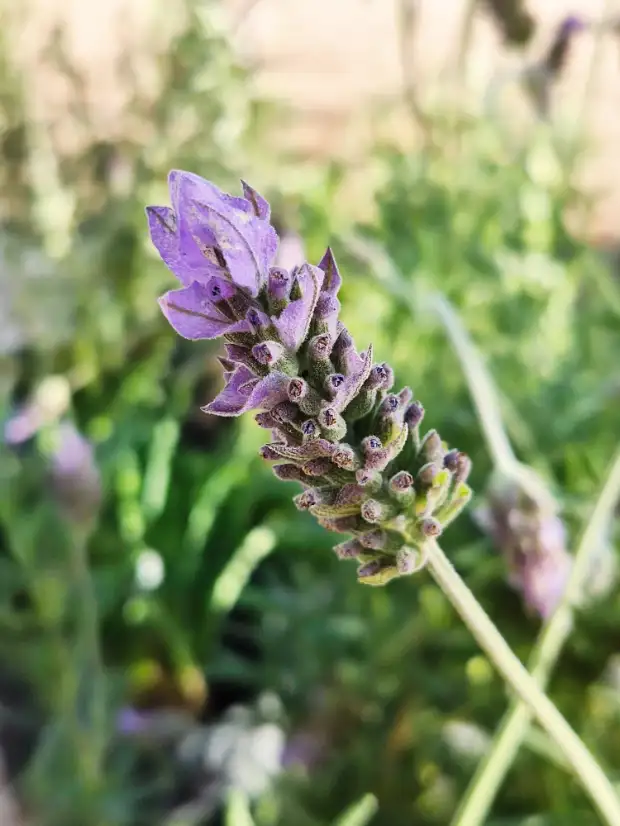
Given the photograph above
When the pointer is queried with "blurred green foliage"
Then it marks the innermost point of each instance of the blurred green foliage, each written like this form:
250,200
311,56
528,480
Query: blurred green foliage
191,584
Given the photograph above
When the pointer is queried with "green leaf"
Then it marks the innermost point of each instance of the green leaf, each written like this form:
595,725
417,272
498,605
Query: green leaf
157,474
360,813
238,809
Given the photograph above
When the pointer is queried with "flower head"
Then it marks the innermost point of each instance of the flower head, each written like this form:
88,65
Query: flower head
335,425
521,519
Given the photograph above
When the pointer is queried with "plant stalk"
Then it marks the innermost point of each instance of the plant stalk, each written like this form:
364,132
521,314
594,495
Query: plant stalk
475,806
586,769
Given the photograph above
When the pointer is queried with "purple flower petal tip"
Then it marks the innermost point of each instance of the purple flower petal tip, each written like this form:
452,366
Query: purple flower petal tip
192,314
244,392
333,279
294,321
260,206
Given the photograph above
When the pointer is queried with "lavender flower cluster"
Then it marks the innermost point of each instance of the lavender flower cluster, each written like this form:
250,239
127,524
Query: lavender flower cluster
336,425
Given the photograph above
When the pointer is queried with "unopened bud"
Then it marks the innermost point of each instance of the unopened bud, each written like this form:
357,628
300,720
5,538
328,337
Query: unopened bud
267,352
406,561
450,460
381,377
266,421
317,467
414,415
432,447
279,284
333,383
401,481
372,480
429,527
320,347
267,452
426,476
310,430
463,468
349,550
304,501
289,473
374,511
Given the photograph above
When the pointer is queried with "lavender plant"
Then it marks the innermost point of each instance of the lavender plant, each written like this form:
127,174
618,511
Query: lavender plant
336,428
336,425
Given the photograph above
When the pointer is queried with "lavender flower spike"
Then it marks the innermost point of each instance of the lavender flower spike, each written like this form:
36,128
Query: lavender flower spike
354,447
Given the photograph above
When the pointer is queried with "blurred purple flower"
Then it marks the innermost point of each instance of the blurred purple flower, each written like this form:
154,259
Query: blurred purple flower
524,526
74,476
303,749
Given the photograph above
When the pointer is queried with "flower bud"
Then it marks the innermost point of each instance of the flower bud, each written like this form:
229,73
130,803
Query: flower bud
326,312
278,287
304,501
310,430
302,394
289,473
414,415
375,512
406,561
258,321
317,467
349,550
381,377
333,426
401,488
266,420
333,383
267,352
267,452
432,448
463,468
285,413
451,460
320,347
429,527
372,480
426,476
377,572
345,457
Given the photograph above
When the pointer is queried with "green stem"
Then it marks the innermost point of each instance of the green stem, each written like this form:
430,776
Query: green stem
483,393
583,764
492,770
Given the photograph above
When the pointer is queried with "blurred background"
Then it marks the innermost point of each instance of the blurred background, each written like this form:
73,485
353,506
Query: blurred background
178,645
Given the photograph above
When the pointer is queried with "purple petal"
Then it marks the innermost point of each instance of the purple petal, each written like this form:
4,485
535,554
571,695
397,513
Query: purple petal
188,258
248,244
333,279
261,207
269,391
543,581
186,186
164,235
294,321
192,314
243,392
231,401
353,381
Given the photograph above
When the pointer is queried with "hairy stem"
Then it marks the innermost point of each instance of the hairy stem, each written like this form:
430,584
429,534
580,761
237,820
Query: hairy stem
583,764
492,770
